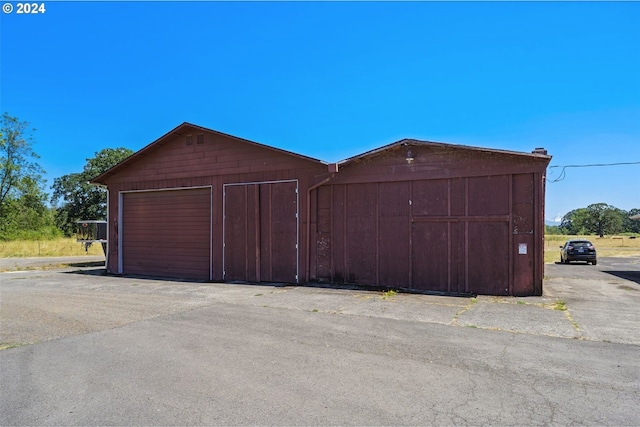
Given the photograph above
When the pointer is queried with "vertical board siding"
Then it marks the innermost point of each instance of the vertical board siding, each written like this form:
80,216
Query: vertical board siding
523,234
538,227
252,227
323,232
393,240
451,220
284,232
430,198
339,235
457,196
488,267
361,241
430,256
489,195
235,233
264,224
261,232
445,235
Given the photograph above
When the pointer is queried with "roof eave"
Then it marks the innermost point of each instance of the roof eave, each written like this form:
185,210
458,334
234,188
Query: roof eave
415,142
100,179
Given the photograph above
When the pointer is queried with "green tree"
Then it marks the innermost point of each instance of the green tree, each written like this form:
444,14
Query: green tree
604,219
629,225
572,222
598,218
23,202
76,199
18,168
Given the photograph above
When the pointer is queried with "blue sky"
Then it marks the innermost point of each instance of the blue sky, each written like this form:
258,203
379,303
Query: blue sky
333,79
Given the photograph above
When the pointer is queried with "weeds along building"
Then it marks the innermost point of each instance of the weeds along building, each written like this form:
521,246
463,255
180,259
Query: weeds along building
427,216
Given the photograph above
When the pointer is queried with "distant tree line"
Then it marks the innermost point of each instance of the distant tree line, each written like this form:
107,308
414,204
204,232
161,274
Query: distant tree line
600,219
25,211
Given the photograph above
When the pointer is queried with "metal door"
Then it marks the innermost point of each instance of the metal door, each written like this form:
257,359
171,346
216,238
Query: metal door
166,233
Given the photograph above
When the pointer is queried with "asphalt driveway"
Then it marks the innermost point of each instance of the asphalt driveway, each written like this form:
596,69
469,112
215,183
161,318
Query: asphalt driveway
94,349
604,300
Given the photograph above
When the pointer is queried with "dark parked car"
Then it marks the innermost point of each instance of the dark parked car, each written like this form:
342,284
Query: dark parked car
578,250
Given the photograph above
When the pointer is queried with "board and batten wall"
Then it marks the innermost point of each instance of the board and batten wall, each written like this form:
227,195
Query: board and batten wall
453,221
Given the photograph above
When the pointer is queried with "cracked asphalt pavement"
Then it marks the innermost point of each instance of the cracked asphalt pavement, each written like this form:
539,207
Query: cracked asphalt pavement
83,348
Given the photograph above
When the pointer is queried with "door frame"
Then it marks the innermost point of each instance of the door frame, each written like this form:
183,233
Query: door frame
224,218
120,217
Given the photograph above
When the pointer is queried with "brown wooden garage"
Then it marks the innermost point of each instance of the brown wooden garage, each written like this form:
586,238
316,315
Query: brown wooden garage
200,204
433,217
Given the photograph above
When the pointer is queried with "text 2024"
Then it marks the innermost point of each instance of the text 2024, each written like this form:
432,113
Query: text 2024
30,8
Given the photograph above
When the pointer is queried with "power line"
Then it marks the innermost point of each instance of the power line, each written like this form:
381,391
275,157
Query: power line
596,164
564,168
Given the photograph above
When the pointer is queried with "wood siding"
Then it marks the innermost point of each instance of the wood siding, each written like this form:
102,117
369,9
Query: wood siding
261,232
449,219
218,156
219,161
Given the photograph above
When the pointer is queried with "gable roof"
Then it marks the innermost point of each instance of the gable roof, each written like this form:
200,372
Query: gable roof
537,153
184,127
181,130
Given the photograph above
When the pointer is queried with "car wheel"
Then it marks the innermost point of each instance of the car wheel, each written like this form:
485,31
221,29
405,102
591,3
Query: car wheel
594,262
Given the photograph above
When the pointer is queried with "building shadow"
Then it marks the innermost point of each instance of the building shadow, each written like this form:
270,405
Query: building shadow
101,271
87,264
633,276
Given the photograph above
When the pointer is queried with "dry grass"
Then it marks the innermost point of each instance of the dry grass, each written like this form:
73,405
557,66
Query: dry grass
42,248
606,246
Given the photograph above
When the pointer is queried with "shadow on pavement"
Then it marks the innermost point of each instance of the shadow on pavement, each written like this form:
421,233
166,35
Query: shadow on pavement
634,276
87,270
572,263
87,264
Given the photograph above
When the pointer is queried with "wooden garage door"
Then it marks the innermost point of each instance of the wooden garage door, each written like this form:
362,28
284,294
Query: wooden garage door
167,233
261,232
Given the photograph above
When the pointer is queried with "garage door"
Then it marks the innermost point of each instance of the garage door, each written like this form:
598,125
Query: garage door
261,232
167,233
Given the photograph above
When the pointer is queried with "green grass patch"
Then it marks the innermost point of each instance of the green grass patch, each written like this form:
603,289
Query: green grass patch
389,294
560,305
8,345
